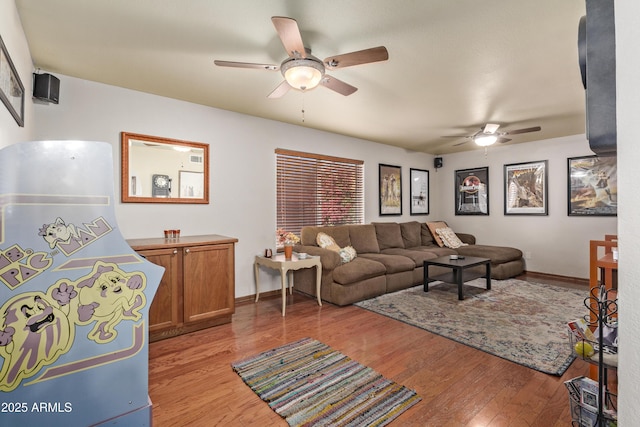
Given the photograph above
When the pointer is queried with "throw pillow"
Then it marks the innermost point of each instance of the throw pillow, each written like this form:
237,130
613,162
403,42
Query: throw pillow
347,254
325,241
449,238
433,227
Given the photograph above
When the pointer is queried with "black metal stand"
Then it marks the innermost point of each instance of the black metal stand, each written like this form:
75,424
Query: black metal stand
602,311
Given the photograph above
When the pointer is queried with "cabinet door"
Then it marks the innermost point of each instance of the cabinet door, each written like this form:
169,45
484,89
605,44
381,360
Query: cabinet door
166,309
208,282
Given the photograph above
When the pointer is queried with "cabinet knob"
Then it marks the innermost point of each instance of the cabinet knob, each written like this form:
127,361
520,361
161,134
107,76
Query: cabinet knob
175,251
187,250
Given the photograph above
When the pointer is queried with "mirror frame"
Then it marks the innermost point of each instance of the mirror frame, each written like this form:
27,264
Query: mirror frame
124,169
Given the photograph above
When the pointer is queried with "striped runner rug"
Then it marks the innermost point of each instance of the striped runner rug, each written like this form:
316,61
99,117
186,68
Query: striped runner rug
309,384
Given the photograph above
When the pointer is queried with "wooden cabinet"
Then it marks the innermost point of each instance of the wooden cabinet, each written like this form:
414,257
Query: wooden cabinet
197,289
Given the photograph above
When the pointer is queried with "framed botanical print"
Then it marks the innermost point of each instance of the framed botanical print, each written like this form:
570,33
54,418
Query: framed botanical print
592,186
390,189
472,191
526,188
419,192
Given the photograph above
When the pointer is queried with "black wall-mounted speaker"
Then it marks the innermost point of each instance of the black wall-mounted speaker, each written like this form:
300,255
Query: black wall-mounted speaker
46,87
597,61
437,162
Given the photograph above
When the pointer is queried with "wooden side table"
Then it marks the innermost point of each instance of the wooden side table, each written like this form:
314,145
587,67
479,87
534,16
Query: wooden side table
279,262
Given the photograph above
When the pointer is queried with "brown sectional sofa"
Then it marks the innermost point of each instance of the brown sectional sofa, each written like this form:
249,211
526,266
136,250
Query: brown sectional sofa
390,257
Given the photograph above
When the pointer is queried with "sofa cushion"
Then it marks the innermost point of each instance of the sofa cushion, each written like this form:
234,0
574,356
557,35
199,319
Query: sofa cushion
411,235
340,234
433,226
417,256
363,238
393,263
389,235
357,270
425,235
497,254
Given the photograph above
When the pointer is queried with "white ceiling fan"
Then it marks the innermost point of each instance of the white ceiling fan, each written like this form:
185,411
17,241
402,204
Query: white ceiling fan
488,135
303,71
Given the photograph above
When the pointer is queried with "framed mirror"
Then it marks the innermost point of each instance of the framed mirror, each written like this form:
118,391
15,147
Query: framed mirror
163,170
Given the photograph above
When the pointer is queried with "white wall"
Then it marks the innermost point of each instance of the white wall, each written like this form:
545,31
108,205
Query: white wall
628,111
558,243
16,43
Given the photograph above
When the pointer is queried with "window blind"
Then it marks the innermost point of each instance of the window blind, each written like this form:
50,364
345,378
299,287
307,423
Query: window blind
314,189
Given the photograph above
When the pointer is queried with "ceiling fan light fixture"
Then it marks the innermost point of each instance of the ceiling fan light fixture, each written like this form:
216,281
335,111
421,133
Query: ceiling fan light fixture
485,139
302,74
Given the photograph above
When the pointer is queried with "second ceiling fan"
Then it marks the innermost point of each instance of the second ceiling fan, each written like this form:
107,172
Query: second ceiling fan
488,135
303,71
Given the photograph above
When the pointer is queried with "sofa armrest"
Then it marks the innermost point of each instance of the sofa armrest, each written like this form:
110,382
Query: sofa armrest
329,259
469,239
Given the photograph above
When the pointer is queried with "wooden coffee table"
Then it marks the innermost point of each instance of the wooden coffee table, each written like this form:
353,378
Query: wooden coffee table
458,274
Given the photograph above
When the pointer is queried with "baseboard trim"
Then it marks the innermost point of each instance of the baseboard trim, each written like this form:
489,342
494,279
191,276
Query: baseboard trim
533,274
263,295
548,276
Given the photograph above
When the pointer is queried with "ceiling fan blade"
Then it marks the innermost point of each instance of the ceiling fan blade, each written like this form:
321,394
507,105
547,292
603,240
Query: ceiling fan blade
338,85
460,143
246,65
290,36
490,128
517,131
502,140
280,91
366,56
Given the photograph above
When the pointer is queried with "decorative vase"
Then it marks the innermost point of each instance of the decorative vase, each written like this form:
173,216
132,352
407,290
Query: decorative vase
288,251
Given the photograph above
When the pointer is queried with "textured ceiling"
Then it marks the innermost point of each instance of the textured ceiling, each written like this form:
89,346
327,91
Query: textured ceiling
453,65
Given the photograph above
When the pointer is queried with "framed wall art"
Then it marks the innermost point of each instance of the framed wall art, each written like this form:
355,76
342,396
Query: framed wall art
472,191
526,189
390,189
11,88
592,186
419,192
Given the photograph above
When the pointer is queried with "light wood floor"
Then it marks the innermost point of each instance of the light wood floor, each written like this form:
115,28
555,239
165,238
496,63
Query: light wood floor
191,382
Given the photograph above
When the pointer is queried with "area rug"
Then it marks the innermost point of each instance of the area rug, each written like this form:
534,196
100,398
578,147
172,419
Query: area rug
523,322
309,384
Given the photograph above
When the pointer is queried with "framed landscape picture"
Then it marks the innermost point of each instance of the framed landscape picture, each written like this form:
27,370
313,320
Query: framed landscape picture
390,189
592,186
419,192
472,191
526,189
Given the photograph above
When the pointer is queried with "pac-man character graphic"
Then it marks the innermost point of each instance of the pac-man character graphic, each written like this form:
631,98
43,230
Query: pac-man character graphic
107,296
58,232
34,332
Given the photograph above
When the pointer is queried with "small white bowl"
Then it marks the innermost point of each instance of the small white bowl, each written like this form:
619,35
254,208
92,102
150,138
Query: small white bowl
302,255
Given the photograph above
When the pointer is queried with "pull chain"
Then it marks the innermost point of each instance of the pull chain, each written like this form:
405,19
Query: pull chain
303,107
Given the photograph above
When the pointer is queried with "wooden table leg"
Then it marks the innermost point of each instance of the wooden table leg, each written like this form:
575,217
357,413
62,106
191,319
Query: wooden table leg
318,282
256,271
283,279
